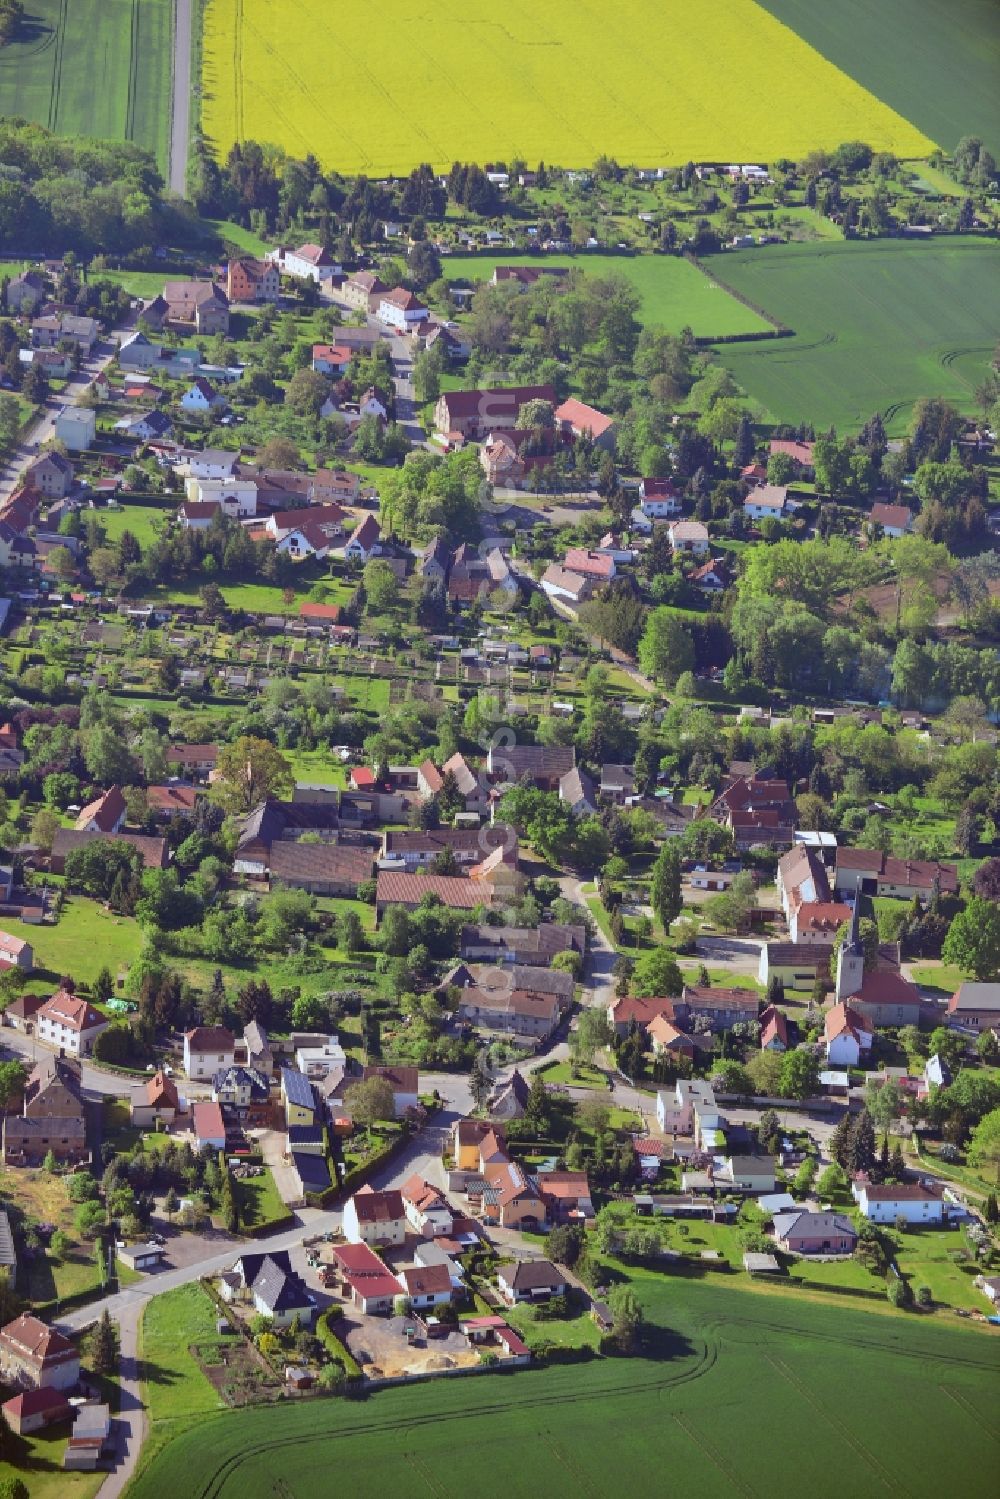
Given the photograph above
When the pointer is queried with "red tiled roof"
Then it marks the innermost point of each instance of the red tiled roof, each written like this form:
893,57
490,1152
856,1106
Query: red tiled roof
583,418
409,889
70,1012
378,1207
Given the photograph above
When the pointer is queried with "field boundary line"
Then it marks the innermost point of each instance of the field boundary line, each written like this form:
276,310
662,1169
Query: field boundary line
774,322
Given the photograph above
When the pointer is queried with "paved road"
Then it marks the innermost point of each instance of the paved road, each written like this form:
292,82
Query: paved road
181,102
95,1080
13,466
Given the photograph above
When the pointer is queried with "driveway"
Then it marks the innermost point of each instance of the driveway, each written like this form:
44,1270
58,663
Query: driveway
286,1178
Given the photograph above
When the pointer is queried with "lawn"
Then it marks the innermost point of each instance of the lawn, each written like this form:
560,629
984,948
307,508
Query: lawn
145,522
877,325
94,67
945,977
896,51
580,1331
267,66
176,1391
721,1367
674,293
584,1076
259,1201
924,1257
85,939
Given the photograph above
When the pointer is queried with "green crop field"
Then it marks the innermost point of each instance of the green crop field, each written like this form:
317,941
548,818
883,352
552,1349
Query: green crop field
896,47
675,294
877,325
742,1393
93,67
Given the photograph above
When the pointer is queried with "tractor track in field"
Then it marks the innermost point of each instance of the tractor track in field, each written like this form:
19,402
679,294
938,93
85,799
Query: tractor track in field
56,91
213,1485
133,72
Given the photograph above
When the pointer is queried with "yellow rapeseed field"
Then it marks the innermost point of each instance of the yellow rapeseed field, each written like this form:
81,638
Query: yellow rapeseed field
381,88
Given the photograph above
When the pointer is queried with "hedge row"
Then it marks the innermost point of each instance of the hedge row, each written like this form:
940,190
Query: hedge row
334,1347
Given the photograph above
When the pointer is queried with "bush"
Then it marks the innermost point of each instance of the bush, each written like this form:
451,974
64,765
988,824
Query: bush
924,1297
899,1293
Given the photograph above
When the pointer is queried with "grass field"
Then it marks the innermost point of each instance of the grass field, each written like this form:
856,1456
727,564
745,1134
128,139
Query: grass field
896,50
740,1394
93,67
675,294
877,325
561,85
82,941
176,1391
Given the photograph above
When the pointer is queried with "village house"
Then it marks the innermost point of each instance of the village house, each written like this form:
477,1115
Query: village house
252,280
528,1281
846,1036
474,414
635,1009
372,1217
518,1012
773,1030
598,566
575,419
206,1049
870,872
974,1007
24,293
522,945
154,1101
372,1288
768,502
69,1023
894,520
794,966
416,847
427,1210
365,542
52,1116
51,475
576,791
910,1201
401,310
65,327
426,1286
331,359
363,291
308,263
561,584
659,499
202,397
35,1356
404,1082
688,536
76,428
723,1007
186,305
15,952
802,1232
298,1097
208,1126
